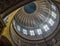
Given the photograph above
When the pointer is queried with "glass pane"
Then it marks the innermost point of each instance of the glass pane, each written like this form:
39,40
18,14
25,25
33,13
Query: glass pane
46,28
51,22
25,31
32,33
39,31
54,15
18,27
53,7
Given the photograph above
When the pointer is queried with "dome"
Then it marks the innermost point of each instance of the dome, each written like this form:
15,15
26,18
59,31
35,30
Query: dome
36,20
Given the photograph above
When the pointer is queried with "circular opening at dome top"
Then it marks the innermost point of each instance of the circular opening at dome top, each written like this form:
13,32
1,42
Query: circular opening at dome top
30,8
